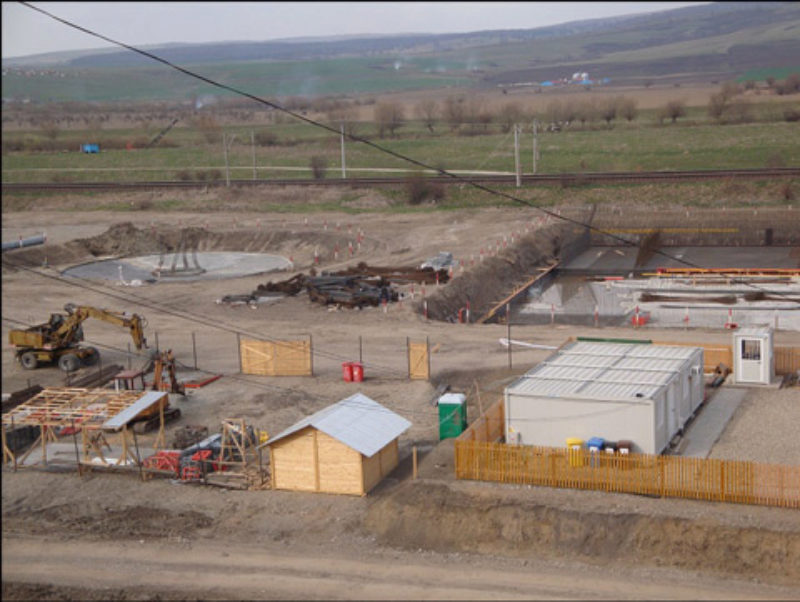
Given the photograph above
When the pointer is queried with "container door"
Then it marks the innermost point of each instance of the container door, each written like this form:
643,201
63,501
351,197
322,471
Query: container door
672,411
750,361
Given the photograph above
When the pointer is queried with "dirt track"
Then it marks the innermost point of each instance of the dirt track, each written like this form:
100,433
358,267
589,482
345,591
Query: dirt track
321,545
137,570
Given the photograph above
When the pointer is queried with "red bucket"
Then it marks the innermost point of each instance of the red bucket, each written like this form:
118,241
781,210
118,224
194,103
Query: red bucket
347,372
358,372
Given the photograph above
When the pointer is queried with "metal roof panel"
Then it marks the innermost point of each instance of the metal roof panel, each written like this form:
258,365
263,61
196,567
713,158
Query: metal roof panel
357,421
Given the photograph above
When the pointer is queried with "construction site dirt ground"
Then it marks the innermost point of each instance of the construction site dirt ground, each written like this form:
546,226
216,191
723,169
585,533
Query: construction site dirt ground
106,535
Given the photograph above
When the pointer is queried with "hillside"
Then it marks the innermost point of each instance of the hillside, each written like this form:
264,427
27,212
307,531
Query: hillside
701,43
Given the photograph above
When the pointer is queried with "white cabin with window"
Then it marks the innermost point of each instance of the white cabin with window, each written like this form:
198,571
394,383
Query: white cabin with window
753,358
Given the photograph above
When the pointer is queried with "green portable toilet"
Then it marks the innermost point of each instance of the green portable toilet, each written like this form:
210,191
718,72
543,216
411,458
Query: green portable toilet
452,415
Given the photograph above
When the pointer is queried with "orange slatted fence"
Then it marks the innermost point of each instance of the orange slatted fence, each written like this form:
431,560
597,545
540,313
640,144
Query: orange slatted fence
787,360
478,456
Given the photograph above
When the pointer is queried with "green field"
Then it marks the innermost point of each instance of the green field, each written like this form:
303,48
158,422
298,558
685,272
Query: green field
639,147
262,78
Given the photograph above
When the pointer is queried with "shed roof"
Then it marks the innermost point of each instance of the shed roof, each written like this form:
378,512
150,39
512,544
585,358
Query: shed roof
605,371
357,421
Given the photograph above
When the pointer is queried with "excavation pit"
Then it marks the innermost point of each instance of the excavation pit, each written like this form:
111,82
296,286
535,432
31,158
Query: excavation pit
602,286
152,269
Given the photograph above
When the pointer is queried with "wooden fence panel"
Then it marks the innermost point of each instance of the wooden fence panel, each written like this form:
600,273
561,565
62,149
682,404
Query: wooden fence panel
418,362
644,474
276,358
787,360
713,355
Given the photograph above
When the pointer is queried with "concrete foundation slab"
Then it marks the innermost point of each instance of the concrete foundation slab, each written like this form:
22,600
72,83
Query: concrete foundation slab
189,267
714,415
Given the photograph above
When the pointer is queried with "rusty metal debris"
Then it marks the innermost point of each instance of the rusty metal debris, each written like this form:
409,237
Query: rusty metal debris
358,286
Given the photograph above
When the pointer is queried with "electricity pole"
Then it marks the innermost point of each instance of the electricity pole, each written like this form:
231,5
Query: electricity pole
516,154
225,145
344,170
535,144
253,145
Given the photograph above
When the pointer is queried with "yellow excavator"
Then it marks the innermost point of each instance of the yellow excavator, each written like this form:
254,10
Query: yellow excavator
57,340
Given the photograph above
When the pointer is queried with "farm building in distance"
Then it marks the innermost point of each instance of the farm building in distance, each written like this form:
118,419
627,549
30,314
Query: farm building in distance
348,447
641,393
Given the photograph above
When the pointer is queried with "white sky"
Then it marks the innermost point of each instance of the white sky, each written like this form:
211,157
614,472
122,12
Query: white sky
27,32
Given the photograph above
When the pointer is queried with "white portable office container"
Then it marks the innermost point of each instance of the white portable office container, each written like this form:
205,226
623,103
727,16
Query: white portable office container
618,391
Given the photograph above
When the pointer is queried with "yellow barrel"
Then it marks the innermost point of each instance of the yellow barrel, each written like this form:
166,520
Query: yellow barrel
575,453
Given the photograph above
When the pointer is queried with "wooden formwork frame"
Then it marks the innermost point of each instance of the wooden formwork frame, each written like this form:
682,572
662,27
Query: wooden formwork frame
235,439
87,409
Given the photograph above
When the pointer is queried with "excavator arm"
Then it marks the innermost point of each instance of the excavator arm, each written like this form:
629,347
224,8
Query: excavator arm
67,333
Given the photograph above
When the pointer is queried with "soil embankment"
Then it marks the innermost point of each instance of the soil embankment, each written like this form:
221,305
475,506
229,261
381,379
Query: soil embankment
126,240
442,518
495,277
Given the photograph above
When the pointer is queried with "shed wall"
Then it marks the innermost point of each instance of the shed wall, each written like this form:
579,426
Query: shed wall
339,466
293,464
380,465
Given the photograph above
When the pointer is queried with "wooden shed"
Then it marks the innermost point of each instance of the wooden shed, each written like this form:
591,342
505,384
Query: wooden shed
348,447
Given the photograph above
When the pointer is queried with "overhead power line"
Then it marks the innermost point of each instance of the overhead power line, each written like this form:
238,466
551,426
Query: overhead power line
350,136
369,143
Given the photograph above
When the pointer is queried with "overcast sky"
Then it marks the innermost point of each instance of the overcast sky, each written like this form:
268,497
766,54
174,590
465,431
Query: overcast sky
27,32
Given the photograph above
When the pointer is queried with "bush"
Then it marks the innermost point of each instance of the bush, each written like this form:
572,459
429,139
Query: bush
184,175
791,115
266,138
787,191
211,175
420,190
319,167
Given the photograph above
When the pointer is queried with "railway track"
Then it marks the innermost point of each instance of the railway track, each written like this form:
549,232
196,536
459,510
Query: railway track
526,180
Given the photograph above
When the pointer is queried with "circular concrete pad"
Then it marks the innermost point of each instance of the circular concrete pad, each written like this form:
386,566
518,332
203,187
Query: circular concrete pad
208,266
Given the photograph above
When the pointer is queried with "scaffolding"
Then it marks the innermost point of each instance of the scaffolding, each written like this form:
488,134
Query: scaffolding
95,414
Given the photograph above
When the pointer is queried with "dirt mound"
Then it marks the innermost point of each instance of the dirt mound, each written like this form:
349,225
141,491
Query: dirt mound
133,521
440,517
126,240
497,276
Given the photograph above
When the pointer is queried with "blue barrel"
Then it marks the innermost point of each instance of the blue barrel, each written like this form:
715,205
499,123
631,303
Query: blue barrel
595,444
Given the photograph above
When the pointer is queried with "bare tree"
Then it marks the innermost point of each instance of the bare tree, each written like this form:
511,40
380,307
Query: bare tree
674,109
608,110
347,116
454,111
717,103
627,109
476,114
388,116
428,112
510,113
586,111
50,128
720,103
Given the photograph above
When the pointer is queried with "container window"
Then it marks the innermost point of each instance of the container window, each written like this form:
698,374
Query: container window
751,349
